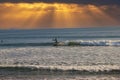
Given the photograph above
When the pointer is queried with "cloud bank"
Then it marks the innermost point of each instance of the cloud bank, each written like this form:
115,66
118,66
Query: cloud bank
94,2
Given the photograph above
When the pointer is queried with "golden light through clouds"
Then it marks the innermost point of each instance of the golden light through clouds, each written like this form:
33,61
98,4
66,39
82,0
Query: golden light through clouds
53,15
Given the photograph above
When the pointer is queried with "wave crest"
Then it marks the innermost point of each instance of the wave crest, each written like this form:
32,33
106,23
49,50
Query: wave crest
70,43
94,42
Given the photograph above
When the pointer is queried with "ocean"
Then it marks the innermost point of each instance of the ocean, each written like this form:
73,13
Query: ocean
85,54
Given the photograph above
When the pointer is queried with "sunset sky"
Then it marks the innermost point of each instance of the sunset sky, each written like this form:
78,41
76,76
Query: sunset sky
33,14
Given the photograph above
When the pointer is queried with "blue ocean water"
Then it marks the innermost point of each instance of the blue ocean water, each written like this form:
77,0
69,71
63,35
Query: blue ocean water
44,36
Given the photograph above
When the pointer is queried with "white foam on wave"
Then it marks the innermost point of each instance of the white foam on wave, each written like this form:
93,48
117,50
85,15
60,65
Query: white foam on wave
94,68
94,42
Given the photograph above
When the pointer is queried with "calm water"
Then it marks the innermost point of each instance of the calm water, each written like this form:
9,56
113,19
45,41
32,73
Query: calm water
29,54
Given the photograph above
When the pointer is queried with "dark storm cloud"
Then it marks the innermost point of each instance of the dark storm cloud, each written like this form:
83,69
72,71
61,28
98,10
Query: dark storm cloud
95,2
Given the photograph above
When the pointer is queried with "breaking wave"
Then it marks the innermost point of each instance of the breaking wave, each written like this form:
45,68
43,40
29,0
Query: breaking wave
70,43
94,42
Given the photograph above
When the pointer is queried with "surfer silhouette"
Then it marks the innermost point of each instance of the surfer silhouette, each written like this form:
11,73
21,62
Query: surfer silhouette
1,41
55,41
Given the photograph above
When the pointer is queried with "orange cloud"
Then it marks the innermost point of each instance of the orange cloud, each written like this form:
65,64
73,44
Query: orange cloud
55,15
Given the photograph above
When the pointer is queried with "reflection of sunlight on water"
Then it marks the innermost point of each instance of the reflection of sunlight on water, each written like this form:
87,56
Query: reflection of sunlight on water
63,56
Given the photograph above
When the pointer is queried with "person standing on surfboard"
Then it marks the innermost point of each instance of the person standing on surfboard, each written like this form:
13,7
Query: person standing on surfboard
55,41
1,41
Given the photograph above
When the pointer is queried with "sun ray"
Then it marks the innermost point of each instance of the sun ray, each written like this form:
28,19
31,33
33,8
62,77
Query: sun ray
54,15
100,16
